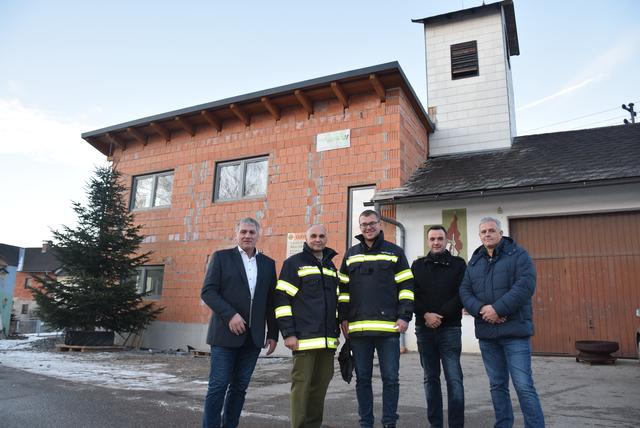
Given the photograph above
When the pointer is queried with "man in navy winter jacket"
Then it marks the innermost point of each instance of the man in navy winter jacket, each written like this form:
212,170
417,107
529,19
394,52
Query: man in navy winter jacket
496,290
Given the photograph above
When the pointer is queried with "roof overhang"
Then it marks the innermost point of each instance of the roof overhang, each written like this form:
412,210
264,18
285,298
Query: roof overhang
303,94
509,14
389,199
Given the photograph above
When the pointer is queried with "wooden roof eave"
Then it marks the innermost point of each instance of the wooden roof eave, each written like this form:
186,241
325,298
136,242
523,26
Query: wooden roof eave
338,87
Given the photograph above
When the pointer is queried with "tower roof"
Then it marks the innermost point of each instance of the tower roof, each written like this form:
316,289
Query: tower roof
509,14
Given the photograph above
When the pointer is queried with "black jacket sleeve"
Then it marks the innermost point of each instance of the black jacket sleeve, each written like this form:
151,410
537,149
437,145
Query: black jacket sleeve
284,294
212,289
452,307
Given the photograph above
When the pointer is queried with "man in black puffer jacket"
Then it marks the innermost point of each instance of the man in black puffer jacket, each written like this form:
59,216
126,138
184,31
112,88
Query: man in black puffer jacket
375,305
438,309
497,289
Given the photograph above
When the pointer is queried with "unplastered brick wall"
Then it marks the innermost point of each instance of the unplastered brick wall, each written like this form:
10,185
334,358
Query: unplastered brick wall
305,186
19,291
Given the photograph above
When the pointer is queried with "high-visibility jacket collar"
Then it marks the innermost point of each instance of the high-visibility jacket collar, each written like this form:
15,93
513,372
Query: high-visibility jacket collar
376,243
327,254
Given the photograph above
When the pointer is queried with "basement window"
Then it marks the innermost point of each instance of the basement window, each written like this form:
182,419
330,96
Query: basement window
464,60
241,179
150,280
152,191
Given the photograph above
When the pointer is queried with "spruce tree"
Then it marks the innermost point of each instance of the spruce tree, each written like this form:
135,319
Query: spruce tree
99,258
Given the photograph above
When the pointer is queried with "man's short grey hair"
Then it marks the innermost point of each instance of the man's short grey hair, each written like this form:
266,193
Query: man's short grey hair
248,220
488,219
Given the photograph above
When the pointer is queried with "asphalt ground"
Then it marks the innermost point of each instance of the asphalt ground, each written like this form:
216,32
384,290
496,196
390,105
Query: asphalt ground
573,394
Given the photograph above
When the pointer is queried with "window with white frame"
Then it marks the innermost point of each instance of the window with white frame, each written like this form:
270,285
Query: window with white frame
152,190
150,280
241,179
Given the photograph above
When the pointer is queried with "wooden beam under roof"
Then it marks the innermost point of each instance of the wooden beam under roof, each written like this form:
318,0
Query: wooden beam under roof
138,135
161,130
212,119
186,125
378,87
273,109
116,140
240,114
340,94
304,101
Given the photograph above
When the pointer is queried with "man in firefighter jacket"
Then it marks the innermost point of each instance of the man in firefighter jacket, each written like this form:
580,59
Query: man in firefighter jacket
306,299
375,305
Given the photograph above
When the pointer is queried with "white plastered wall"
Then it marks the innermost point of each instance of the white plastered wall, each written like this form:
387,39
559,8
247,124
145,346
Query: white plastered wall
173,335
533,204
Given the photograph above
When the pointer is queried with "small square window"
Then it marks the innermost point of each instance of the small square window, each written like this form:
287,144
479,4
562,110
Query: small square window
150,280
25,309
241,179
464,60
28,282
152,191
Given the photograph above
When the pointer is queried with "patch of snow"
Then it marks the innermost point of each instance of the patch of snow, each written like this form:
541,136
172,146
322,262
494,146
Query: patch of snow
95,368
24,343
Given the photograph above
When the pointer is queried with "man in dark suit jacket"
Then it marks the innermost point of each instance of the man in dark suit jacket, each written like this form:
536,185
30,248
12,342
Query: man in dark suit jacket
239,289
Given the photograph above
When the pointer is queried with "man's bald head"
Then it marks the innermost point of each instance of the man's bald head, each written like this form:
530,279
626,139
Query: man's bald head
317,238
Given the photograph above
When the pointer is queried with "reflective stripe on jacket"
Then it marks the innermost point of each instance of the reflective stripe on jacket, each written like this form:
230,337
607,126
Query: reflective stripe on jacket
376,288
306,300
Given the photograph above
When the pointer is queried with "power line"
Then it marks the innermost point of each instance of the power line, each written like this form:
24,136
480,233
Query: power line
571,120
618,118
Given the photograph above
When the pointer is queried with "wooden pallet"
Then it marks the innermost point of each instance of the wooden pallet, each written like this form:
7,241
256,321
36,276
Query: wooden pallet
82,348
197,353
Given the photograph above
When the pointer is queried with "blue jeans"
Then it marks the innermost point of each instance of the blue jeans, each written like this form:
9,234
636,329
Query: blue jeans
511,356
436,345
388,349
231,370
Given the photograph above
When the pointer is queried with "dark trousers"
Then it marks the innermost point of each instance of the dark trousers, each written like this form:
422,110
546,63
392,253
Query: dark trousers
442,345
231,370
310,376
511,357
388,350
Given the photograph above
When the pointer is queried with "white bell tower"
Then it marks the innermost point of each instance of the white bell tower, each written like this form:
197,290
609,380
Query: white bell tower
469,89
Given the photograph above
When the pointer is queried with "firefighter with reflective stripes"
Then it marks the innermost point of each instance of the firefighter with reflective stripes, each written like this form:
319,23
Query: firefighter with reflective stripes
306,299
375,305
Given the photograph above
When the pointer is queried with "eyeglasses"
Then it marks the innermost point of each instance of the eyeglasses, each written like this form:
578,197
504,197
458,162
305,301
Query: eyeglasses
370,224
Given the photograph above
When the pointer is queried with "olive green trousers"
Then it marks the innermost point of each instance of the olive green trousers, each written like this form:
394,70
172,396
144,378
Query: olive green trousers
310,376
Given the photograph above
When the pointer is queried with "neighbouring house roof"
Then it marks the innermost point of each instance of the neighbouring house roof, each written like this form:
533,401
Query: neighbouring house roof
339,86
10,254
509,14
570,159
37,261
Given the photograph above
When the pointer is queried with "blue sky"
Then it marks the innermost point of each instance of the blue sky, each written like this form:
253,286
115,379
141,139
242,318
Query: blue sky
67,67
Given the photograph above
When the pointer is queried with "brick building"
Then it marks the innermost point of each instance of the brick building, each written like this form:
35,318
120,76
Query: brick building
289,156
315,151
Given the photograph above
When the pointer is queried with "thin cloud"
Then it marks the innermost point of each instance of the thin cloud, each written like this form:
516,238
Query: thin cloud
600,68
42,136
560,93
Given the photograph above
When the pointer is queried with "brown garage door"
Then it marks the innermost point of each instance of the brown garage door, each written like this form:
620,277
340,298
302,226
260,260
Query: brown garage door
588,278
